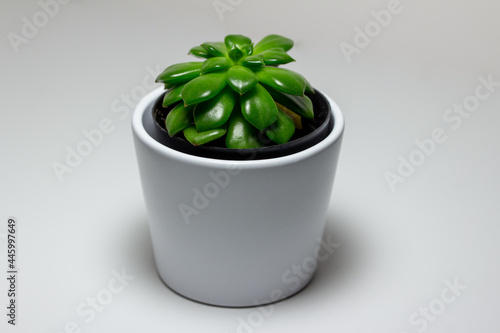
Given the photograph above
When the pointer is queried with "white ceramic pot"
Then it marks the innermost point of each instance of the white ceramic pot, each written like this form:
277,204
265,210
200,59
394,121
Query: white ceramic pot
235,233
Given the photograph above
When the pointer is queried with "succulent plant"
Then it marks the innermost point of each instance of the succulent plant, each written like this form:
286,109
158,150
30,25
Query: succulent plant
237,92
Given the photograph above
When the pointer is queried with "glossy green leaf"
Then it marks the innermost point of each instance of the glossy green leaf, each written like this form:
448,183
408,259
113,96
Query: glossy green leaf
199,51
271,42
301,105
172,96
253,61
237,76
236,54
214,112
309,88
282,130
200,138
203,88
247,49
275,57
241,79
179,118
240,133
236,40
215,64
180,73
215,49
297,120
283,80
258,107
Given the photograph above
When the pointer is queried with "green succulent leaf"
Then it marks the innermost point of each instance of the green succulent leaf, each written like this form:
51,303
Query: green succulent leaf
215,64
258,107
301,105
203,88
240,133
173,96
200,138
179,118
252,61
247,49
215,49
179,73
282,130
309,87
236,54
236,40
241,79
283,80
271,42
199,51
214,112
297,120
273,57
238,91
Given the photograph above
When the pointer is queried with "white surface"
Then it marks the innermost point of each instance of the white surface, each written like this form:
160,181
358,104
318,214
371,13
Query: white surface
397,248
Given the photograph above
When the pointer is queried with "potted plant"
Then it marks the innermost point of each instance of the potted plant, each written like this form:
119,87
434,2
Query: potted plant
237,158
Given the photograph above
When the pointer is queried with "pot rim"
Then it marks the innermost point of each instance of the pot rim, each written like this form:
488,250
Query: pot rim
141,134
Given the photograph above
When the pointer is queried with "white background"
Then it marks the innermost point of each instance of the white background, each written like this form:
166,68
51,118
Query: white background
397,247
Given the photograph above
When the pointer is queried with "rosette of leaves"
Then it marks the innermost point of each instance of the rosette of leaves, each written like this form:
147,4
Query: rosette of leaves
237,92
